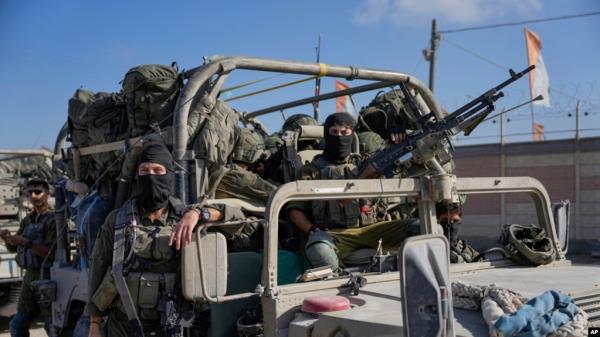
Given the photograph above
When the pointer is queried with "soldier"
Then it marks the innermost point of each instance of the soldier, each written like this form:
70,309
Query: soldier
135,238
337,227
238,181
35,245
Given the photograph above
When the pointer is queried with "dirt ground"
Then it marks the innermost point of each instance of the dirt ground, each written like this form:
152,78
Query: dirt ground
37,329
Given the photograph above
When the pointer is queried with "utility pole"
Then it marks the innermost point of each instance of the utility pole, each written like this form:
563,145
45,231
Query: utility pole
317,83
577,121
502,139
429,54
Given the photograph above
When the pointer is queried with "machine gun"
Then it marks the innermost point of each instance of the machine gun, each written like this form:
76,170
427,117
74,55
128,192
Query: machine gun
430,145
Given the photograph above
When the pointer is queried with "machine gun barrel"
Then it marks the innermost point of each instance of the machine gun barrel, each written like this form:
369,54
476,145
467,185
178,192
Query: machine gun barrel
465,118
490,93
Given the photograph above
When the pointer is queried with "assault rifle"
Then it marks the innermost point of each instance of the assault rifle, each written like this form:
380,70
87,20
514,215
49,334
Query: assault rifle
430,145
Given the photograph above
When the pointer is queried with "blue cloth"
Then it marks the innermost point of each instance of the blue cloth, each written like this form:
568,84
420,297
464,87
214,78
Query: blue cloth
539,317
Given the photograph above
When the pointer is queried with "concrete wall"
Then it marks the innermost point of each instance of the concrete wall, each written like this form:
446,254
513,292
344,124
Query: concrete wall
569,169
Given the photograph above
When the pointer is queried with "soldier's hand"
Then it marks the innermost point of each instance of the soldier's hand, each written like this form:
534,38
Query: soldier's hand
17,240
397,138
94,330
182,234
4,233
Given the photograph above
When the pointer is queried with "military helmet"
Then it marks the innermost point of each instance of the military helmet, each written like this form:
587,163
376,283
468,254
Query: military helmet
295,121
249,146
273,143
370,142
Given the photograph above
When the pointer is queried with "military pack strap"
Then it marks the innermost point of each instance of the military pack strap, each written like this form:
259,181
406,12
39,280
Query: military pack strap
117,272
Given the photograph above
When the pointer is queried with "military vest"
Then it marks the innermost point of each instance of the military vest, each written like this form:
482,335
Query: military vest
35,231
151,266
331,213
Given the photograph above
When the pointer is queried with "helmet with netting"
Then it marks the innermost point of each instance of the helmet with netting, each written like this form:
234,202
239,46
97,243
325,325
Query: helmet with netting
273,143
370,142
249,146
295,121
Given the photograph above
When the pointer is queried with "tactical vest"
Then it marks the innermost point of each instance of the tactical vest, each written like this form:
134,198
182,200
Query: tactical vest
331,213
35,232
151,266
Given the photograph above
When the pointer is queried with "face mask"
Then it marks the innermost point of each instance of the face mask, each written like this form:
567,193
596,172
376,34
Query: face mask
337,147
156,190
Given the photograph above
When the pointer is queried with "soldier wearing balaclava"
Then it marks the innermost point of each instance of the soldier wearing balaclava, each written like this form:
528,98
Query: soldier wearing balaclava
336,228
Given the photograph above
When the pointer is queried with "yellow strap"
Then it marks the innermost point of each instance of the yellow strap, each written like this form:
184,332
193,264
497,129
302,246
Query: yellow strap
322,69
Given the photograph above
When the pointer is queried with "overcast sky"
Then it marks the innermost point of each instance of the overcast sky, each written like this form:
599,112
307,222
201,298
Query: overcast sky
50,48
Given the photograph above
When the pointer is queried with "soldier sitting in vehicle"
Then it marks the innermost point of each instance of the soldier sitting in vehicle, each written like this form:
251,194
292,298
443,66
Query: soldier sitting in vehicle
335,228
34,244
237,180
274,163
136,238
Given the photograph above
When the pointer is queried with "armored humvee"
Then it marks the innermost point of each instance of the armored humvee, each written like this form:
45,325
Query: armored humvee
16,166
411,299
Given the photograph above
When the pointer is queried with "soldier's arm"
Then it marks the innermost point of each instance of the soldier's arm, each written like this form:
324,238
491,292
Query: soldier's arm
100,261
296,209
9,241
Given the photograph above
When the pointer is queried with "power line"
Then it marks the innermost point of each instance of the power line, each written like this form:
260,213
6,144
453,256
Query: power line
479,56
518,23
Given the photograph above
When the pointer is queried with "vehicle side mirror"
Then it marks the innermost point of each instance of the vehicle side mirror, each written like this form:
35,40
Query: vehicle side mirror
204,267
562,214
425,286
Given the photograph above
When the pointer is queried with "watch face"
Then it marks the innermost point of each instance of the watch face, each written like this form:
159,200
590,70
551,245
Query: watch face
205,214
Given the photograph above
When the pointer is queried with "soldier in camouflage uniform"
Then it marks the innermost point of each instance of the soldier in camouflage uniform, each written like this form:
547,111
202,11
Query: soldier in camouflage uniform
237,180
35,245
335,228
139,237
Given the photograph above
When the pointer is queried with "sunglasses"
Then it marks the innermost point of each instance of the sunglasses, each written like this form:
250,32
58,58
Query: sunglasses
36,192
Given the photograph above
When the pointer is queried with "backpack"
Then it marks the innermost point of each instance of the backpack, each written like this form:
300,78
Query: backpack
151,92
216,135
386,111
107,122
96,118
76,115
528,245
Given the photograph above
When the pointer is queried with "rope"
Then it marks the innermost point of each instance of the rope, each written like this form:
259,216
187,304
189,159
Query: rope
577,327
494,302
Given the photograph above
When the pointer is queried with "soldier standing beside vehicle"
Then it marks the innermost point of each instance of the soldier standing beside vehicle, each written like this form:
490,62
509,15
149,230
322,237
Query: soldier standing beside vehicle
135,238
34,244
335,228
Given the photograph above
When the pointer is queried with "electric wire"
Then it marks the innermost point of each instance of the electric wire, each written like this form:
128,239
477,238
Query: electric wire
518,23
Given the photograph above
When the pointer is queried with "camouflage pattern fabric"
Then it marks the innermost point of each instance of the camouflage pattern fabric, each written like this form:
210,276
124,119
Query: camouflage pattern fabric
244,185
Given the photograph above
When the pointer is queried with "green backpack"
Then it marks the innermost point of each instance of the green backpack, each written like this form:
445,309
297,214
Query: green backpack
107,122
528,245
151,92
96,118
386,110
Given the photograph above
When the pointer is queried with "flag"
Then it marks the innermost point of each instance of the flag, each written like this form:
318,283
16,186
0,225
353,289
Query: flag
343,103
538,132
538,78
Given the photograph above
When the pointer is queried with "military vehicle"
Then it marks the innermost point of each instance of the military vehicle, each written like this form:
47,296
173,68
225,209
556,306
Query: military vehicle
412,298
16,166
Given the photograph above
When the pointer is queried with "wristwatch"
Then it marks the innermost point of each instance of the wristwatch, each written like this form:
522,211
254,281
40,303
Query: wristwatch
205,214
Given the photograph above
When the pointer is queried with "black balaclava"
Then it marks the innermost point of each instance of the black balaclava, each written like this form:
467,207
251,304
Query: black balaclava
156,189
338,147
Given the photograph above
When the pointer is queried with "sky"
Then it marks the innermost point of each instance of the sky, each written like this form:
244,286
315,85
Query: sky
48,49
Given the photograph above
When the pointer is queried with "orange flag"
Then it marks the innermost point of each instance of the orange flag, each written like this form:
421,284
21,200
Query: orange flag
343,103
538,132
539,83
